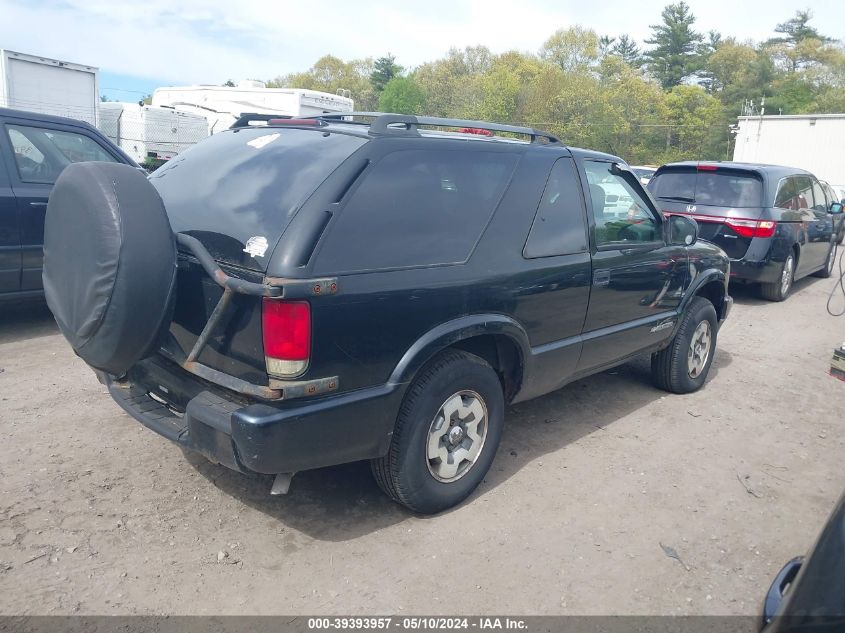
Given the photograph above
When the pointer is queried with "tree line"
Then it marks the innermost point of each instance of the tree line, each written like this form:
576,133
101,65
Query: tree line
673,97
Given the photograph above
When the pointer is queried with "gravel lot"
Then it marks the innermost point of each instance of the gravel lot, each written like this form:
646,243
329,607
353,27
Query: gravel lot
98,515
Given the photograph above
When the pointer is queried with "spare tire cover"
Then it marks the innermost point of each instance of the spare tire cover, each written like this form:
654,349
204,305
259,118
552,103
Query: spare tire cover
109,263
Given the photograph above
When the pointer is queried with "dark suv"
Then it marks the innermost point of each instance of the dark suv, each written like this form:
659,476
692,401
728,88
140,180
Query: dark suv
348,290
34,149
775,223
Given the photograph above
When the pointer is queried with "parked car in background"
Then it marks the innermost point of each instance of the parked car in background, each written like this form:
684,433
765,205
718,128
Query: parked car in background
373,290
839,218
775,223
808,594
644,172
34,149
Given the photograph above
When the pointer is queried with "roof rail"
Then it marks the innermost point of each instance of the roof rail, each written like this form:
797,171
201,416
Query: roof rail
246,118
387,124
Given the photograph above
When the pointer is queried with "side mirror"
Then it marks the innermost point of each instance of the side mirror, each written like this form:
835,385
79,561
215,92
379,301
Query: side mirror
681,230
836,207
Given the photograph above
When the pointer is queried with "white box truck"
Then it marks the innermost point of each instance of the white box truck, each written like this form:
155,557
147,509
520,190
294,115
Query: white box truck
49,86
223,105
815,142
150,134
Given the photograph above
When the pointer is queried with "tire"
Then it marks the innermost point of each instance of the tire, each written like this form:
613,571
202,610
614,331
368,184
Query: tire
109,263
407,474
827,271
670,367
779,290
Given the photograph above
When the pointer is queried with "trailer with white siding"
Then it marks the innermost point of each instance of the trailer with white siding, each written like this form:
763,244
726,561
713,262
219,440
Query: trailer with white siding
49,86
815,142
223,105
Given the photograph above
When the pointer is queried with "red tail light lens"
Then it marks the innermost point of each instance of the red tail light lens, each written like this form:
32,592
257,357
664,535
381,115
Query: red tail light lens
752,228
287,336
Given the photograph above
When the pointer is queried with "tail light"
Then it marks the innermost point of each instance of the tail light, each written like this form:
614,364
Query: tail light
287,337
752,228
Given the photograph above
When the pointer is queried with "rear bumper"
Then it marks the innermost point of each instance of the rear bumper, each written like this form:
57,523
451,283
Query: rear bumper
271,439
766,271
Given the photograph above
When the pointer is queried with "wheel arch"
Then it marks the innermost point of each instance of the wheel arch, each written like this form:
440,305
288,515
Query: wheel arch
711,285
496,338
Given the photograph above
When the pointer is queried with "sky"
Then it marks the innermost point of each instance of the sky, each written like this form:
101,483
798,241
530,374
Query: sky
144,44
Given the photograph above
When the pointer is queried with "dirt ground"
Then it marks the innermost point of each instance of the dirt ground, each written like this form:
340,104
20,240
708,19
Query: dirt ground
99,515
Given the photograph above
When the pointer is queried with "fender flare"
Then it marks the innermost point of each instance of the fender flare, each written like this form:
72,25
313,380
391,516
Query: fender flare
706,277
451,332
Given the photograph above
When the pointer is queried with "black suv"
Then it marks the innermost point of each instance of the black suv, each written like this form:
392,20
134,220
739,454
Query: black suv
340,290
34,149
775,223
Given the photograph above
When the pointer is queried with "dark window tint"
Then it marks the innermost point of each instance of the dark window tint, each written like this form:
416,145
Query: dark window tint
794,193
559,227
709,188
620,210
41,154
415,208
819,202
247,184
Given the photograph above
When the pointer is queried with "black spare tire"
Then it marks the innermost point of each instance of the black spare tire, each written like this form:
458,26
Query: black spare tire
109,263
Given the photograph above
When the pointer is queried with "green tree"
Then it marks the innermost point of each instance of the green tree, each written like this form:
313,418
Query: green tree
384,69
695,124
573,49
674,56
801,45
229,84
331,74
626,48
402,95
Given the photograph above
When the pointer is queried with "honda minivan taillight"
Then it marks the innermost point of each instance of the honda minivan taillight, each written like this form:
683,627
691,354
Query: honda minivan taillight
287,337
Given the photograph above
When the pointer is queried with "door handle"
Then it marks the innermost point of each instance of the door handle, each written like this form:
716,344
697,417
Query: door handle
601,278
38,205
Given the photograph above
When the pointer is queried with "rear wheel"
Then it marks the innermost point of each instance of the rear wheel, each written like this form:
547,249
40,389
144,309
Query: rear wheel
446,434
683,366
779,290
827,271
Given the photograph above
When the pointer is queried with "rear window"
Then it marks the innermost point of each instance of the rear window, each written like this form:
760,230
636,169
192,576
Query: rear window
417,208
244,186
709,188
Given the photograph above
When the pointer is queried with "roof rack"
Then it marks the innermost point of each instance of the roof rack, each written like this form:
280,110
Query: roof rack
246,118
387,124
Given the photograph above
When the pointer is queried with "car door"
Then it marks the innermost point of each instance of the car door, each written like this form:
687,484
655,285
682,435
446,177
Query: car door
821,232
554,283
10,242
638,280
40,151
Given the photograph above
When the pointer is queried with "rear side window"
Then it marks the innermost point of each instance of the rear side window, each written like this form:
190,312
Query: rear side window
720,188
417,208
794,193
559,227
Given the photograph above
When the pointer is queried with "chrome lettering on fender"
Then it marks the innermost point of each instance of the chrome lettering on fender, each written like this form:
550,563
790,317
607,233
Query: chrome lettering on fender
662,326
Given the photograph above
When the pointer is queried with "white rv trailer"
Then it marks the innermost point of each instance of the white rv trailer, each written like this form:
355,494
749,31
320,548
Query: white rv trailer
151,133
48,86
815,142
223,105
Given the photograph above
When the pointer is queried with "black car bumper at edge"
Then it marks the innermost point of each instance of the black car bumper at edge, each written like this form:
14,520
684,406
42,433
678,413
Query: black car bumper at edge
757,272
270,439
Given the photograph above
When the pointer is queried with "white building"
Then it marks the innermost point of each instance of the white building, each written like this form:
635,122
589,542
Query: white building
815,142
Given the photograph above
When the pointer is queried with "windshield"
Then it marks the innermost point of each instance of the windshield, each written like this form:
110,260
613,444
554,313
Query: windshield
709,188
237,191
